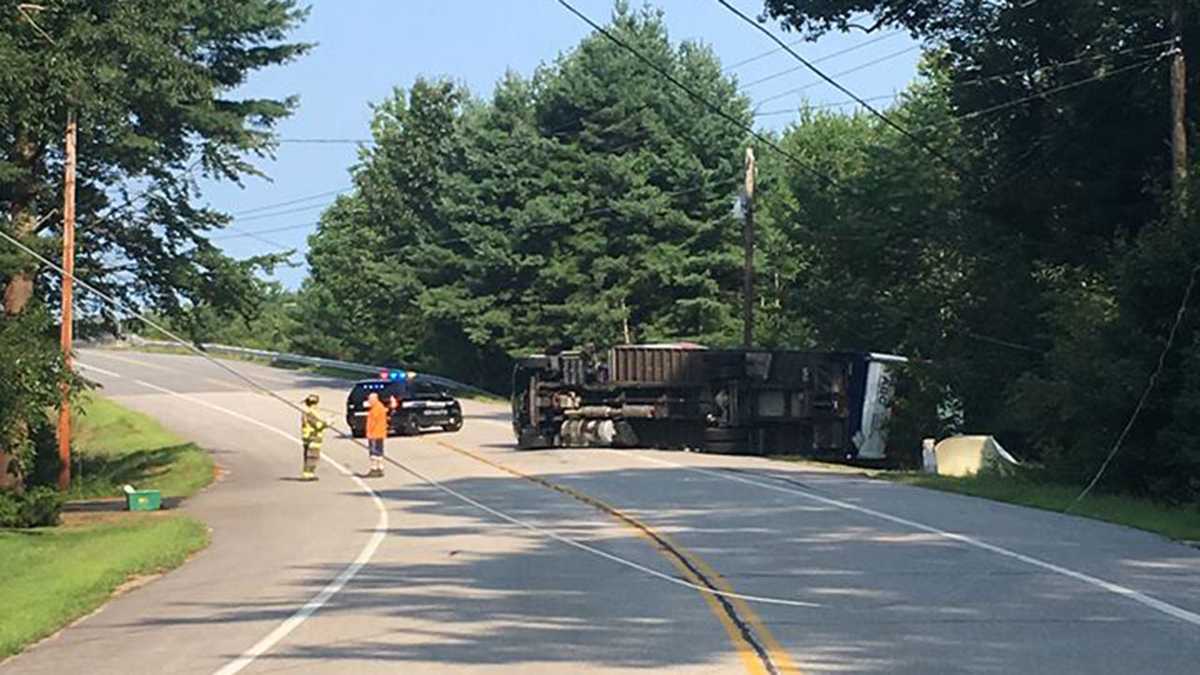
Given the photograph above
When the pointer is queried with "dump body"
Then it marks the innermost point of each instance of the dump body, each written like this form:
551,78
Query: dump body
684,396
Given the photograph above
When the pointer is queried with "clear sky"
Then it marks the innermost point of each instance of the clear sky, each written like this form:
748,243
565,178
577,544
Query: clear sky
365,48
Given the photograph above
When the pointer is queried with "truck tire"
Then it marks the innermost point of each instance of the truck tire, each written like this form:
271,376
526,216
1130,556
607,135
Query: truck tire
726,440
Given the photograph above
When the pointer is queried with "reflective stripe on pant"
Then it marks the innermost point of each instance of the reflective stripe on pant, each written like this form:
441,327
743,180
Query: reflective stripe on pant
312,455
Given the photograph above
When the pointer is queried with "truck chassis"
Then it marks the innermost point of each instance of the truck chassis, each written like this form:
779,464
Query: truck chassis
832,404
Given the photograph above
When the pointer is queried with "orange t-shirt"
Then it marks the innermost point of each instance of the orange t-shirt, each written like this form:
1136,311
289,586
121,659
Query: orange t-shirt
377,421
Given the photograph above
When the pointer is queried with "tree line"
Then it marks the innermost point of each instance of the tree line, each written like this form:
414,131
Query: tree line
1010,227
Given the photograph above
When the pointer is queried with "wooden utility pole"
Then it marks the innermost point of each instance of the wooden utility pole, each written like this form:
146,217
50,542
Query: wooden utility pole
67,334
1179,150
748,251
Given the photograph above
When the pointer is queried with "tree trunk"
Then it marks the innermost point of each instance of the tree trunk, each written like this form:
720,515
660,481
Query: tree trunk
19,288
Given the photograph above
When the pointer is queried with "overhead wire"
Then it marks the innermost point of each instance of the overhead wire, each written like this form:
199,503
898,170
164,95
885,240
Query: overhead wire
820,59
744,62
699,98
290,202
256,387
1149,388
1150,385
886,119
979,80
848,71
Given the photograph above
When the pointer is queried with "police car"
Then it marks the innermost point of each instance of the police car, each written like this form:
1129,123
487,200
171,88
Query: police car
418,404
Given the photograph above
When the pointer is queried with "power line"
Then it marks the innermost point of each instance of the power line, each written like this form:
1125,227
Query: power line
298,200
1054,90
835,104
752,59
713,107
244,233
255,386
965,83
327,141
933,152
286,212
984,111
1059,65
849,71
822,59
1137,411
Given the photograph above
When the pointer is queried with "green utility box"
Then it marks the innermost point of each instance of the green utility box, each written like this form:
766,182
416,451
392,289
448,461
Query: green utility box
142,500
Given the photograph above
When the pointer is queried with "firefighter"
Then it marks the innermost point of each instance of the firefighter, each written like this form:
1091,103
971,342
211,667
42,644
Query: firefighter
312,432
377,430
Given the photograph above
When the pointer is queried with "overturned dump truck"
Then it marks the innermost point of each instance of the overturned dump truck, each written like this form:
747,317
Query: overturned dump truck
676,396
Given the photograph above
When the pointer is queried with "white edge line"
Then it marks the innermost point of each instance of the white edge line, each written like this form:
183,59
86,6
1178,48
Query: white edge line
98,370
380,530
1136,596
309,608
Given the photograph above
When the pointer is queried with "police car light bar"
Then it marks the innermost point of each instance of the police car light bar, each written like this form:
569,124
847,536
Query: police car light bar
393,375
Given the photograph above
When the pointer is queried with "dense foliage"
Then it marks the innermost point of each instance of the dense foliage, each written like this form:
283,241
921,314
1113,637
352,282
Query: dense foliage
588,205
1033,278
150,84
1071,265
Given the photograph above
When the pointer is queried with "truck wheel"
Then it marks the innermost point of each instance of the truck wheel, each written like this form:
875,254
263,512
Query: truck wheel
726,440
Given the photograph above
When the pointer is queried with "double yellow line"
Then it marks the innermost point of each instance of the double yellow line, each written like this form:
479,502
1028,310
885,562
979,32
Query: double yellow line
758,650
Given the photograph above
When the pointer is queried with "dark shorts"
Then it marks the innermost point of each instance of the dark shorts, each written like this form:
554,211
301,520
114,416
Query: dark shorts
375,447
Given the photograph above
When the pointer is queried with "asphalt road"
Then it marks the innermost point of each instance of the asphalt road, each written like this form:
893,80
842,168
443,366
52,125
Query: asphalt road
483,559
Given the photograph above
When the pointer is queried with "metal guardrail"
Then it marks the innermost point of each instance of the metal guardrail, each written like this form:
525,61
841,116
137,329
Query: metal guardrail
310,361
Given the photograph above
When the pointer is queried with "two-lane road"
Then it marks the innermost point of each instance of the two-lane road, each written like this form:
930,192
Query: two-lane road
598,560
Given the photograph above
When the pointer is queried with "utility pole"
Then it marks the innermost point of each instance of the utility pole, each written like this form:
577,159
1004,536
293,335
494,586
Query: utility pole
68,296
1179,150
748,252
67,333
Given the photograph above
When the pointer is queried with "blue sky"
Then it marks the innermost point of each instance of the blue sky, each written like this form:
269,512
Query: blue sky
367,47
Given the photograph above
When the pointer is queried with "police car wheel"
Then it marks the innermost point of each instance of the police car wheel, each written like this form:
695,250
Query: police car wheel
453,426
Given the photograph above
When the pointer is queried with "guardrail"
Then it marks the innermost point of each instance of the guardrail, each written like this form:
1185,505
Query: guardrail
309,361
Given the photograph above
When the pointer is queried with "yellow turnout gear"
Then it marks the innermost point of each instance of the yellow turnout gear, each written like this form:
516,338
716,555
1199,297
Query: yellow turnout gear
312,432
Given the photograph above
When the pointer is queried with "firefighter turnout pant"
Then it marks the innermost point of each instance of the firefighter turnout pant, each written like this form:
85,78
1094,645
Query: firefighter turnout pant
312,454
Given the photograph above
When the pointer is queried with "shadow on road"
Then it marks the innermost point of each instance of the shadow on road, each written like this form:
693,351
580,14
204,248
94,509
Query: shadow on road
889,598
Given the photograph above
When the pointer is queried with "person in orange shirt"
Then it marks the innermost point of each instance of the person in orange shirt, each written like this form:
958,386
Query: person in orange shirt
377,431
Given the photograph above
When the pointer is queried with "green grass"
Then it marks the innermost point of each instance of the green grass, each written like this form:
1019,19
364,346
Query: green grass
55,575
115,446
1177,522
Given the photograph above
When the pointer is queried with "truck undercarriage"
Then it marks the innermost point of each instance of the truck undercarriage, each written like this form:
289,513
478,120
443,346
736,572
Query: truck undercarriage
726,401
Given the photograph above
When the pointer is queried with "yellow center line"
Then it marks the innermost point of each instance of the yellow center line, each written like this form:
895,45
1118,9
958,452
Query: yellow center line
758,649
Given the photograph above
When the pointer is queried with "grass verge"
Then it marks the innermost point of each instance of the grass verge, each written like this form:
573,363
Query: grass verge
115,446
1177,522
55,575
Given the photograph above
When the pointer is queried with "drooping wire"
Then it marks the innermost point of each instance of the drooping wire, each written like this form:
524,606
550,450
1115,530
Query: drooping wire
262,389
1150,384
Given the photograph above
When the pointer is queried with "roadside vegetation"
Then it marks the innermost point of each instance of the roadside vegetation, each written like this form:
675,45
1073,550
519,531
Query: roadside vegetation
1017,226
1180,522
116,446
55,575
1024,250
